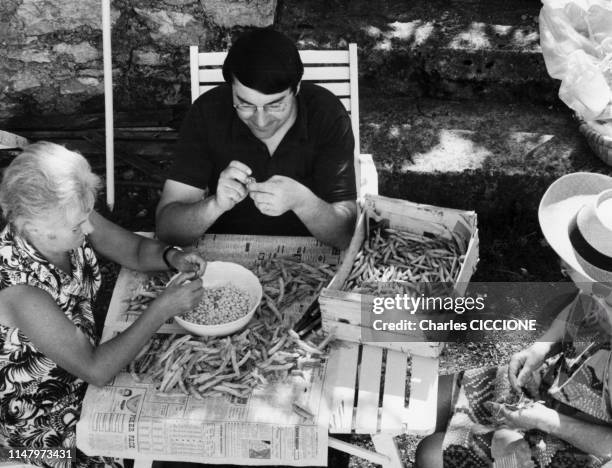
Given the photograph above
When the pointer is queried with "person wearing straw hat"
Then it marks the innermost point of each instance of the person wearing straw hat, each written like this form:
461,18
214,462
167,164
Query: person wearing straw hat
564,380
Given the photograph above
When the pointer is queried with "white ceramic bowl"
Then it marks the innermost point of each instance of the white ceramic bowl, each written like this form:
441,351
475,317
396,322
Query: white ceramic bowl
219,274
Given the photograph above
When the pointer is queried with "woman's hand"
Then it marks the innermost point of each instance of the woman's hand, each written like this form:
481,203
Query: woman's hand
524,363
187,262
533,416
182,294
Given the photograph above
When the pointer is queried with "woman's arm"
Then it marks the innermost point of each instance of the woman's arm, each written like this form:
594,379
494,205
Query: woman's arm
591,438
558,328
36,314
138,252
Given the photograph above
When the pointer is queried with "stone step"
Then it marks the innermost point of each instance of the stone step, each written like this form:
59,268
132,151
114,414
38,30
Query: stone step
466,49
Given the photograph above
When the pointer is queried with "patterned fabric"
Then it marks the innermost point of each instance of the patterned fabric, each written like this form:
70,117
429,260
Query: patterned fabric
575,382
40,402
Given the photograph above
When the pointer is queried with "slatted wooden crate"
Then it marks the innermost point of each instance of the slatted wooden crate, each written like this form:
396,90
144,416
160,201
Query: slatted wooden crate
363,372
342,311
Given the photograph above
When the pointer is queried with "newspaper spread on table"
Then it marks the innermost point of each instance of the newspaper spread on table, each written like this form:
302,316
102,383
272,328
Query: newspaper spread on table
132,419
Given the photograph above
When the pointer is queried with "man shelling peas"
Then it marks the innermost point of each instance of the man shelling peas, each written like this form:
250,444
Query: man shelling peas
262,153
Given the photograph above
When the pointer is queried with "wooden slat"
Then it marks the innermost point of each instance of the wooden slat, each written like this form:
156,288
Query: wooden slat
367,175
193,72
210,76
339,89
366,421
359,235
354,80
324,56
326,73
422,407
341,387
393,407
347,332
212,58
469,264
308,57
316,75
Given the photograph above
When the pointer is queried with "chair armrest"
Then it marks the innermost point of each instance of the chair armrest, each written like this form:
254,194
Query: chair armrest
367,176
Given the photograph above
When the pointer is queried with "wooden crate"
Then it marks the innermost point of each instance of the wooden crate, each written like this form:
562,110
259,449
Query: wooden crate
341,310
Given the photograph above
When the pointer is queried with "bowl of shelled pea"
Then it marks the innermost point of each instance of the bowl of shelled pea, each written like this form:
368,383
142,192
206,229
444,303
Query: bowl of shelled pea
231,296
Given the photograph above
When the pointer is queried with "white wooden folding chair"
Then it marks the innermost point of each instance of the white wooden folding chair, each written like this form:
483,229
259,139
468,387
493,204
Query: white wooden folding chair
380,415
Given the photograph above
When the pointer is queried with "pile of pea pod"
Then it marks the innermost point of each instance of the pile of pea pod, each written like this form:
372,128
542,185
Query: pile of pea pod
394,256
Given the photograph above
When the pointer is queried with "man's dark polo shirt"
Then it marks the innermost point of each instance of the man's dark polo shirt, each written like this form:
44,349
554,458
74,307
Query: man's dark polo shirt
317,151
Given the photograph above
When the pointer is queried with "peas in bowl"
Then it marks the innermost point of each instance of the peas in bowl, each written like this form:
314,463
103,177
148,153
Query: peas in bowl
231,296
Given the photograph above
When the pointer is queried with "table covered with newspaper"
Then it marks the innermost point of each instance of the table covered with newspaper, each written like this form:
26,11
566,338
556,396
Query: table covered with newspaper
260,401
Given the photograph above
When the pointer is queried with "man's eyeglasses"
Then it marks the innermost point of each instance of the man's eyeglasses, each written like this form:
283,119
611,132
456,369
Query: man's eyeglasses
249,109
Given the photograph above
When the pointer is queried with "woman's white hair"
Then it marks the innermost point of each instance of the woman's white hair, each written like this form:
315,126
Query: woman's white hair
43,178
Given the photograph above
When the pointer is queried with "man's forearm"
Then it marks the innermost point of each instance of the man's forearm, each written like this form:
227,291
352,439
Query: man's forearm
329,223
182,223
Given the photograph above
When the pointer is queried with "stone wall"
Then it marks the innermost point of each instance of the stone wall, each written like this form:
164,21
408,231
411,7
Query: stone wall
51,51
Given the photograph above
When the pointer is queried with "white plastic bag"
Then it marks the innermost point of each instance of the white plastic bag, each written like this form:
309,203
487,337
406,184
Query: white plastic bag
576,41
599,20
583,87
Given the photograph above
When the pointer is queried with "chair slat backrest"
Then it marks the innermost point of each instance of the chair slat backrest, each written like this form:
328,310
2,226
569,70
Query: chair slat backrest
335,70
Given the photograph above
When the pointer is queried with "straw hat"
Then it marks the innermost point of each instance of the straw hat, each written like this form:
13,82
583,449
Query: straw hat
575,216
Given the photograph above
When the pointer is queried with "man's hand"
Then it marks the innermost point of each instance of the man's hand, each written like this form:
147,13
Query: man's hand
277,195
231,188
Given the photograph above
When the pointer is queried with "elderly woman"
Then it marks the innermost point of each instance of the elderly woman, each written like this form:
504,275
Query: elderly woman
565,378
49,277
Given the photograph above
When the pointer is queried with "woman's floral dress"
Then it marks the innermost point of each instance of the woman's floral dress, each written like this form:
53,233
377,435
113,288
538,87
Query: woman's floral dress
575,383
40,402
